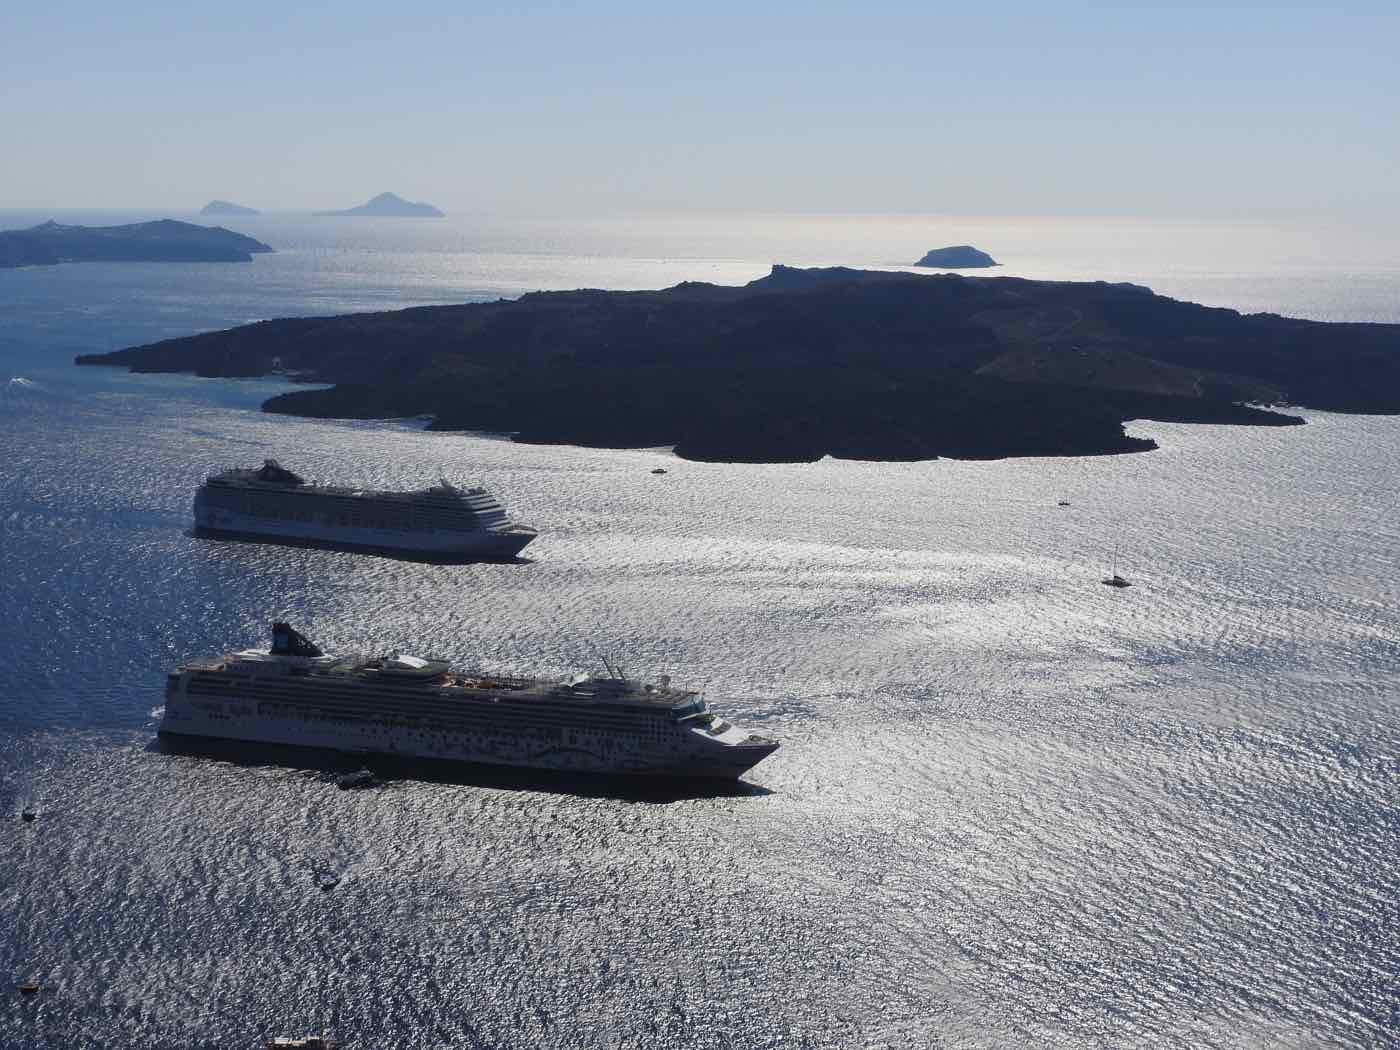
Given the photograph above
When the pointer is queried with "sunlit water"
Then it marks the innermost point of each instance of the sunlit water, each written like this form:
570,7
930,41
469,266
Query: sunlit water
1012,807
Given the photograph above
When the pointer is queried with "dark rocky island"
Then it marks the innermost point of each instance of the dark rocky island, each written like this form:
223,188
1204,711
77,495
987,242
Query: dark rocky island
806,363
391,205
164,240
227,208
958,257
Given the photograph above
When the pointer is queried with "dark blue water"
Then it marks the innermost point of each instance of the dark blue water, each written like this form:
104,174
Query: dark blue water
1012,807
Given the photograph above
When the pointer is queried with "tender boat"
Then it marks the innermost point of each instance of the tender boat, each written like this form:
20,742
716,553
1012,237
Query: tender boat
360,778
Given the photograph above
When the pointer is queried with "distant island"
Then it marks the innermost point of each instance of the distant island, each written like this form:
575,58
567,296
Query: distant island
958,257
806,363
227,208
164,240
390,204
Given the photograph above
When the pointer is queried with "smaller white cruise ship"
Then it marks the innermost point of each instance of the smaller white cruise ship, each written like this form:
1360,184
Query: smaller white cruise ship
409,706
272,503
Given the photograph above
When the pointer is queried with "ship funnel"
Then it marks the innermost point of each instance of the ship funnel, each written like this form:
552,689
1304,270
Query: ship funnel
289,642
274,472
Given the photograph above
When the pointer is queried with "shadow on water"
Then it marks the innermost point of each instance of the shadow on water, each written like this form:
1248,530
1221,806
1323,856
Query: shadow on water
392,553
330,765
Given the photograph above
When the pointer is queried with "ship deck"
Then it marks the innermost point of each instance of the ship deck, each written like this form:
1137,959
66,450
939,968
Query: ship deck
459,683
350,491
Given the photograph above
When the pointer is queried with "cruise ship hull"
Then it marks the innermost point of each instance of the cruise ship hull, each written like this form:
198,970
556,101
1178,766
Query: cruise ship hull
583,752
483,545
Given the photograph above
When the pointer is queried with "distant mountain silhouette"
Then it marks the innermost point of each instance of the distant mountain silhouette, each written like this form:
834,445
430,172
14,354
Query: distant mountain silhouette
390,204
164,240
227,208
958,257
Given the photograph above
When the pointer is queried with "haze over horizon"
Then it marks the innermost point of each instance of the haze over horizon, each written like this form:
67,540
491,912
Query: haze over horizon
1238,110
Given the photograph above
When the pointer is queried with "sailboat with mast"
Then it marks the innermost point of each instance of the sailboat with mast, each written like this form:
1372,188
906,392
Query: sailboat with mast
1115,580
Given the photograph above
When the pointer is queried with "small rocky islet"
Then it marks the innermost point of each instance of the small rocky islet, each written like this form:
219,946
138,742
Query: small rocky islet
227,208
957,257
390,205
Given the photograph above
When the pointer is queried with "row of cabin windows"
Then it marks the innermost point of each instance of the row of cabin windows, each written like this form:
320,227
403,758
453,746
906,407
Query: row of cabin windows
571,737
283,514
656,732
276,508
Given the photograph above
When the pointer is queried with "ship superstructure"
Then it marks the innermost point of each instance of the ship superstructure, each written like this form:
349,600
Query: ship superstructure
396,704
272,503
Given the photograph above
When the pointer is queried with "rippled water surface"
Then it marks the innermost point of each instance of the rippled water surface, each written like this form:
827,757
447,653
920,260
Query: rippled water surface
1012,807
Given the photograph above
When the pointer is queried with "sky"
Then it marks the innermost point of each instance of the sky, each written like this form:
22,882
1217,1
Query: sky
1184,109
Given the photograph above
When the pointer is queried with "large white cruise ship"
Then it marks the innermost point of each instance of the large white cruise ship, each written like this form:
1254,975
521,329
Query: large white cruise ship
272,503
401,705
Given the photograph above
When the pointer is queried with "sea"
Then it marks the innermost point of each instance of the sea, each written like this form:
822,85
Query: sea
1012,807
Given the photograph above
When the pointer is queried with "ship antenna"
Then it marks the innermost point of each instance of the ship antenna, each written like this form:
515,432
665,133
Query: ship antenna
598,656
603,659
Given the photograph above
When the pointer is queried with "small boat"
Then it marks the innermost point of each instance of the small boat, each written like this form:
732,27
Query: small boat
304,1042
658,470
1063,503
361,778
29,816
1115,580
327,881
29,988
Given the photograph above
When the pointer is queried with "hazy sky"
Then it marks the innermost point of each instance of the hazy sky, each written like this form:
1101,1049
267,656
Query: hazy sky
995,108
